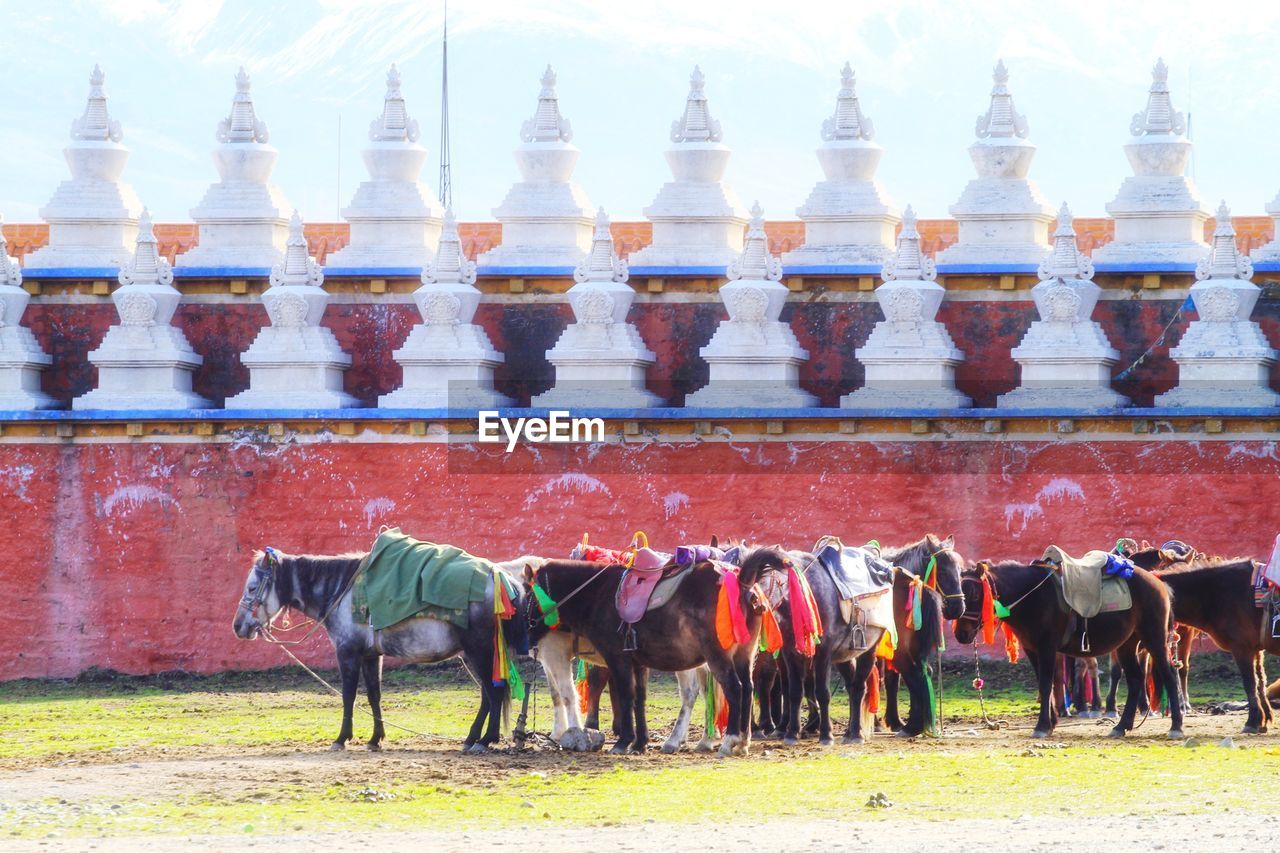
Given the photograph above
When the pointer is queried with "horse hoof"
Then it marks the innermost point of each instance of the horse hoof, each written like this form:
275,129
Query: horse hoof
1251,730
852,740
337,746
776,734
620,749
476,749
826,741
1040,734
639,748
705,745
1117,732
904,733
373,746
791,741
581,740
1176,734
670,748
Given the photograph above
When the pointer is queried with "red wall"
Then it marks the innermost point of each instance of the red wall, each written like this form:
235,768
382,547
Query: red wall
132,555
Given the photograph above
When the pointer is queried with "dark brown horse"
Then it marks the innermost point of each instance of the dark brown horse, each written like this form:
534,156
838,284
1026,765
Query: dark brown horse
1215,595
679,635
1045,627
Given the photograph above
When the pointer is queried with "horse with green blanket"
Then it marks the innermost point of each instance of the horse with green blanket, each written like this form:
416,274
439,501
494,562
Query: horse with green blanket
405,598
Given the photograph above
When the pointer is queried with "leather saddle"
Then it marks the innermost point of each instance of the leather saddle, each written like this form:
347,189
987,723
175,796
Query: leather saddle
856,572
638,582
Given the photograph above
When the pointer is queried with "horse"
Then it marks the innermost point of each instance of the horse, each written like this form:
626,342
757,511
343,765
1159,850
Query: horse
578,598
321,588
1045,628
1215,595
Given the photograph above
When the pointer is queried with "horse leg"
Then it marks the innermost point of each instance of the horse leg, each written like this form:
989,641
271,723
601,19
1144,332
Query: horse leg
891,680
371,668
912,673
1263,701
795,665
1045,662
349,669
690,684
623,676
775,700
746,694
1134,685
1156,639
813,720
725,671
478,667
822,688
764,684
1186,637
597,680
1246,661
1116,672
641,742
855,675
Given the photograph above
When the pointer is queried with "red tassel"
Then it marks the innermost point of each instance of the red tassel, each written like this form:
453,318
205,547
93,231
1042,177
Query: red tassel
584,696
731,622
988,613
873,691
806,624
772,633
722,711
1011,648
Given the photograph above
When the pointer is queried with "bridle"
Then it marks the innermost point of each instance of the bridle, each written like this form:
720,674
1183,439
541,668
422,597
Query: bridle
265,572
931,570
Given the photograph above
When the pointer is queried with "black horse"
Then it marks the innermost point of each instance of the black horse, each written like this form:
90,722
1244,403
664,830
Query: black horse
321,588
679,635
1045,627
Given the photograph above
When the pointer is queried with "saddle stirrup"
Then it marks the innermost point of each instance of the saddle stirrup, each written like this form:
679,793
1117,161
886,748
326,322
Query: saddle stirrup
1085,648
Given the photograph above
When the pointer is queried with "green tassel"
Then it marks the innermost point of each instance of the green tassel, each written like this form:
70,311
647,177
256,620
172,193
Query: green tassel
580,672
1002,612
917,610
515,682
872,543
932,708
710,696
550,610
929,569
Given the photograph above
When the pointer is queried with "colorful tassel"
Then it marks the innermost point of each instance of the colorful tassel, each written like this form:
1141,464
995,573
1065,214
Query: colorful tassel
771,633
722,711
915,604
1011,647
873,691
709,705
731,622
888,646
806,624
516,682
988,613
547,604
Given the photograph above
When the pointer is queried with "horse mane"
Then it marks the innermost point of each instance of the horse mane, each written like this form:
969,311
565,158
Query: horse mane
1203,563
324,576
758,560
914,555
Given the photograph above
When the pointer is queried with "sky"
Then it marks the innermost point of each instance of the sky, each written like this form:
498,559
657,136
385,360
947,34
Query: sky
1079,71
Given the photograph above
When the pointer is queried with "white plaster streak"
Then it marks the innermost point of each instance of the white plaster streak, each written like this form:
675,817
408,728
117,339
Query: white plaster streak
16,479
674,502
130,498
377,507
568,484
1058,489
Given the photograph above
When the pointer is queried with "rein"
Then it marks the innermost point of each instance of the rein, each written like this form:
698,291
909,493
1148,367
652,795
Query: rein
550,607
271,559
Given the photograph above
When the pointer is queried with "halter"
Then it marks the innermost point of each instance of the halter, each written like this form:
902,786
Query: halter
930,573
265,571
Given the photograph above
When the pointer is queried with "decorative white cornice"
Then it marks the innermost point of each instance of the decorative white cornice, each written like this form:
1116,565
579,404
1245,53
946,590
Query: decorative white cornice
146,266
96,123
547,125
1001,120
298,267
1159,116
696,123
451,266
1066,262
1224,259
394,125
909,263
242,125
756,263
848,122
603,264
10,272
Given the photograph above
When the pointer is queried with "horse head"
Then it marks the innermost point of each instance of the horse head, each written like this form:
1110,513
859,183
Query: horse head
259,602
947,568
976,583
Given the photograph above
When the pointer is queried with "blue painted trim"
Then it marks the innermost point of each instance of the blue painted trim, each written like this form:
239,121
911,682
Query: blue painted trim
372,272
1267,266
700,272
982,269
525,271
72,272
833,269
221,272
653,414
1144,267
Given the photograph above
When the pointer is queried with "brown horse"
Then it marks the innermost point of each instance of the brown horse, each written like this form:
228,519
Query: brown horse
1216,595
1045,627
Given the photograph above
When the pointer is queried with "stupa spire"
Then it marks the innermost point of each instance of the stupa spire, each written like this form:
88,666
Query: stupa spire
1066,261
696,124
1224,259
603,263
909,263
756,263
242,125
451,266
1159,116
394,125
547,125
1001,120
848,121
298,267
10,272
96,123
146,266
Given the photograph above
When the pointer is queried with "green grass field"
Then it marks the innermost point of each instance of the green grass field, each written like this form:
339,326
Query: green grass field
112,755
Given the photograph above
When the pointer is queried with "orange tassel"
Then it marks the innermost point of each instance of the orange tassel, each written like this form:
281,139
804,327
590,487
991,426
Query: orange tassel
722,711
772,633
1011,647
724,619
886,648
584,696
873,691
988,613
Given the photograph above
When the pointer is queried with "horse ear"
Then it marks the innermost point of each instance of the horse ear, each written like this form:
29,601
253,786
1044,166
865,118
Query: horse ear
981,567
950,541
529,572
715,541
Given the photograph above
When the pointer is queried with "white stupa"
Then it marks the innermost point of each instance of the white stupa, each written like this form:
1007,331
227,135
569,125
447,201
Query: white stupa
394,217
1003,218
243,219
93,218
295,363
1065,356
697,220
1224,360
21,359
847,218
1158,215
144,361
448,360
600,360
546,217
909,358
754,357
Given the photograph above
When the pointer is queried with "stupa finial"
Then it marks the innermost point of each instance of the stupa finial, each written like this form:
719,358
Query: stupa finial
755,262
298,267
1001,120
1224,259
1159,116
848,121
394,125
10,272
1066,260
450,266
603,263
242,125
909,263
547,125
96,123
146,266
696,124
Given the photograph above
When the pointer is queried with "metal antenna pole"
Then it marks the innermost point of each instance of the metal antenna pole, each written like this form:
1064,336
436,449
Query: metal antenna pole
446,179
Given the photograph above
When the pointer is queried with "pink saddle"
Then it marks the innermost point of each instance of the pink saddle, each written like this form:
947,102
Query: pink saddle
638,582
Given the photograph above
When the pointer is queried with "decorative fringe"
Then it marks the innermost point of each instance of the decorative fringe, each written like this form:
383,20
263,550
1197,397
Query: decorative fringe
583,685
886,648
988,613
931,709
709,704
1011,647
806,624
550,610
915,596
770,633
731,622
873,691
722,711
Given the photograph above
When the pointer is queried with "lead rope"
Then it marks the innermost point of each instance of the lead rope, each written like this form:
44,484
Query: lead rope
978,684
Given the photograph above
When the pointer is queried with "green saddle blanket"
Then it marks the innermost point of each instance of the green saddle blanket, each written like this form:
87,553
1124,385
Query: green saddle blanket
403,577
